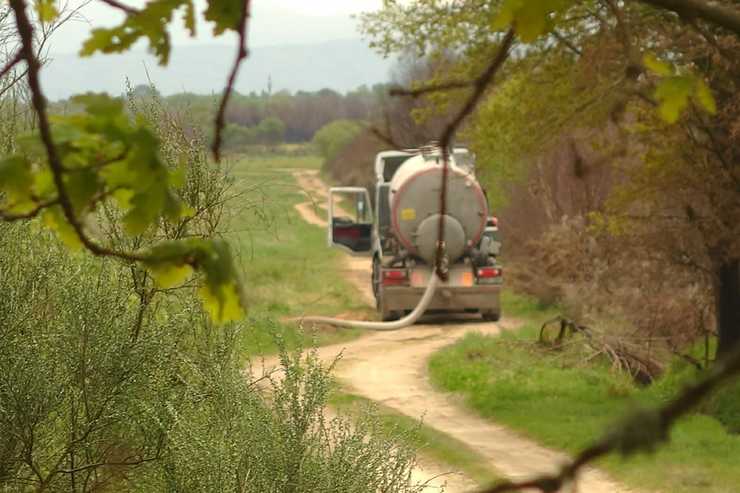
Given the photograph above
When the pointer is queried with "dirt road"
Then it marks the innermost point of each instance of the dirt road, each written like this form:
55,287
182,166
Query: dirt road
390,368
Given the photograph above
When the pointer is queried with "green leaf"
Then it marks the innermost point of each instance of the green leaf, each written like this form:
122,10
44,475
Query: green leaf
531,18
82,185
170,275
16,179
189,18
46,10
54,219
150,23
222,302
657,66
43,184
705,97
221,291
225,14
673,95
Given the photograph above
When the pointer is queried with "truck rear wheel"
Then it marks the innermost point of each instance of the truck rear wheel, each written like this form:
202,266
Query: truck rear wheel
491,316
375,279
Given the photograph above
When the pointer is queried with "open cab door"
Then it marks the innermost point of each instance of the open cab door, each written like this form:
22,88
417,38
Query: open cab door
351,220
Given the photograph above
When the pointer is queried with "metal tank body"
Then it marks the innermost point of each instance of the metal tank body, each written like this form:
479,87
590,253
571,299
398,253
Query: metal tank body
414,201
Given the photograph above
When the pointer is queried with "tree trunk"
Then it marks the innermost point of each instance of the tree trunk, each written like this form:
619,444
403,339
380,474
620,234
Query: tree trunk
728,305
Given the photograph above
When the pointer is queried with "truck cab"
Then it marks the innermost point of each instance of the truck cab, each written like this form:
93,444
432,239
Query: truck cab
364,226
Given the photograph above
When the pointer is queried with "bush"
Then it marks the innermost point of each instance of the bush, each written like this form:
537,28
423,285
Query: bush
334,137
87,404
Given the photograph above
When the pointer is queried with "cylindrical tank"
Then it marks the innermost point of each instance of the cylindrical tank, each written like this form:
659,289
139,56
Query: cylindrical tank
414,201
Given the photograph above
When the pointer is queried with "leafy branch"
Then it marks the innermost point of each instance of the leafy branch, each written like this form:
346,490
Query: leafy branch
26,53
102,154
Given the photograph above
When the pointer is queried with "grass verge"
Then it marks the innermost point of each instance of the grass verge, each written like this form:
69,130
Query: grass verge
565,402
288,269
437,446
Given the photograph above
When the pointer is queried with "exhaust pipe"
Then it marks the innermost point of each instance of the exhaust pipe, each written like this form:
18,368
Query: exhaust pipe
409,319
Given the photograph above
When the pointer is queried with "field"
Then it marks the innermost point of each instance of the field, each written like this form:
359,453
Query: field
288,269
563,402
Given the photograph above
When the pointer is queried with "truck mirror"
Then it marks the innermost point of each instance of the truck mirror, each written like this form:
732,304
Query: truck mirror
350,220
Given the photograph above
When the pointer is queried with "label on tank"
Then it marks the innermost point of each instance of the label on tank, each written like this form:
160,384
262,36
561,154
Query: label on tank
408,214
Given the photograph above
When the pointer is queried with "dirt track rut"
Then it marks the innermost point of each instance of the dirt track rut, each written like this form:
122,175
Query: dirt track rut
390,368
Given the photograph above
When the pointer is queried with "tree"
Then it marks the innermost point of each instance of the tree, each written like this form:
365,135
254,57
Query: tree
271,131
333,137
667,68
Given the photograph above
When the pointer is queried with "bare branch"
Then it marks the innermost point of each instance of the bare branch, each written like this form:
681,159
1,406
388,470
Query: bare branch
11,63
568,43
711,12
480,86
9,216
415,93
121,6
242,54
479,89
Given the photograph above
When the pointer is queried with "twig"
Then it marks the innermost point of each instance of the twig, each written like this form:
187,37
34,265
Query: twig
241,54
479,88
568,43
9,216
385,137
121,6
642,431
11,63
420,91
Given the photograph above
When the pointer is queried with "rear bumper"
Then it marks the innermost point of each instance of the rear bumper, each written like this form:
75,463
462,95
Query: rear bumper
481,297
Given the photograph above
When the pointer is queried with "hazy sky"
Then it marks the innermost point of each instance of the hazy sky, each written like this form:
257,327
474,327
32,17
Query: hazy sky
273,22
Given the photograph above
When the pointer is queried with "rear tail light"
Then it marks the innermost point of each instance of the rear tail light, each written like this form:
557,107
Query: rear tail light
492,221
489,272
395,277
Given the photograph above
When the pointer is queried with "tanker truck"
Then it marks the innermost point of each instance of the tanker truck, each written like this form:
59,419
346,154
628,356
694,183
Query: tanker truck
399,230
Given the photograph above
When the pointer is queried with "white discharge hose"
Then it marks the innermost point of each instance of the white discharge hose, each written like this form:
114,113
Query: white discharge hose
409,319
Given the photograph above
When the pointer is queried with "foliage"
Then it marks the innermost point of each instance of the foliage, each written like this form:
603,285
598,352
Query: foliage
563,400
284,257
85,401
334,137
303,113
79,163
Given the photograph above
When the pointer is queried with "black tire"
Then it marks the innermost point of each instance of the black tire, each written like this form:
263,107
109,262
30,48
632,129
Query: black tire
375,280
491,316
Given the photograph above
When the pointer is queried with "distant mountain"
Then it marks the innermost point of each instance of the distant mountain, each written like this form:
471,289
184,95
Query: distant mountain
340,65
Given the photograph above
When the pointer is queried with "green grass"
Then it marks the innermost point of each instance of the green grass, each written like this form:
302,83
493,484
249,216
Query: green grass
519,306
288,269
430,443
563,402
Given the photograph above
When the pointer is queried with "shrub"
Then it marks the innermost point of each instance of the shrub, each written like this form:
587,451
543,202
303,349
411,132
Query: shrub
85,405
335,136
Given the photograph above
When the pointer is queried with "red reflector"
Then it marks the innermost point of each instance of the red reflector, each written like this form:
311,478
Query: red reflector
493,221
394,274
395,278
488,272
